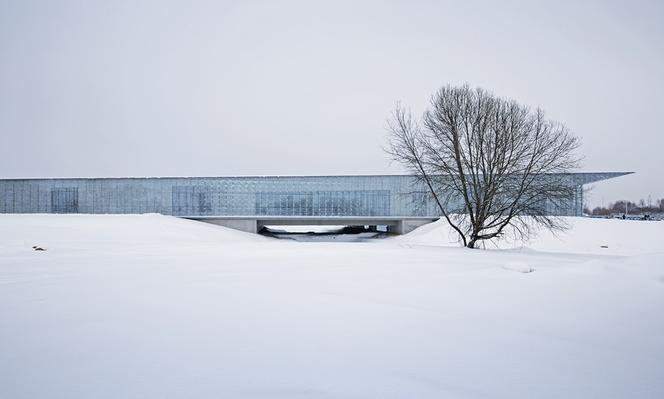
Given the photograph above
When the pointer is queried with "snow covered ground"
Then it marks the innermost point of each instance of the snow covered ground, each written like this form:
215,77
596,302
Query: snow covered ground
158,307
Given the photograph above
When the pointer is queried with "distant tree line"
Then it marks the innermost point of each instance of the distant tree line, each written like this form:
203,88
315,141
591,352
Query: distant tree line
624,206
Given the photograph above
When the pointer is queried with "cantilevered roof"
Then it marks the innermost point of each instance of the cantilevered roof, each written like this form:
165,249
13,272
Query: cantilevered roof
593,177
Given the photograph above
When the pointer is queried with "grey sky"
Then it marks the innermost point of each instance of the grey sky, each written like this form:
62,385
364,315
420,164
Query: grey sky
134,88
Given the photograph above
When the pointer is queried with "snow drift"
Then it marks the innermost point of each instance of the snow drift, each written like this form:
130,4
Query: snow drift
153,306
585,236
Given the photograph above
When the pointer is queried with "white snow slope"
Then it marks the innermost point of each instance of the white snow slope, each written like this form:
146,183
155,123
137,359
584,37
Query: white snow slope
157,307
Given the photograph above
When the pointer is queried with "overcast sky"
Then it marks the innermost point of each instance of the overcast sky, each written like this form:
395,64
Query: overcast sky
206,88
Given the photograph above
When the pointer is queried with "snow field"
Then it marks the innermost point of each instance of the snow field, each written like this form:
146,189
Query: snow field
155,306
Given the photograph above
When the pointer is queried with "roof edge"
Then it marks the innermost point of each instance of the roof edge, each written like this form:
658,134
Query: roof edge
609,175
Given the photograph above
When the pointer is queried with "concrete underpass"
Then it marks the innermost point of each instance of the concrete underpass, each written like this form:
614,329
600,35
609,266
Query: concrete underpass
255,224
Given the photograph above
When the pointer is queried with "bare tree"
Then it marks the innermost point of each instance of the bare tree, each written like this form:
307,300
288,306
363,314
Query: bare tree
488,162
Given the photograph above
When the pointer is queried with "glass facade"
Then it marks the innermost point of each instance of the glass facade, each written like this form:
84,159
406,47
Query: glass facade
325,196
64,200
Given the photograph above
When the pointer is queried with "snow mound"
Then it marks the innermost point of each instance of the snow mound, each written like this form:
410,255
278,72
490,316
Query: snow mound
518,267
585,236
99,232
438,233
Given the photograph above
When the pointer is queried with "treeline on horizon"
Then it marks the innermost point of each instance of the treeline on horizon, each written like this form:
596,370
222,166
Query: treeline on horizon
625,206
